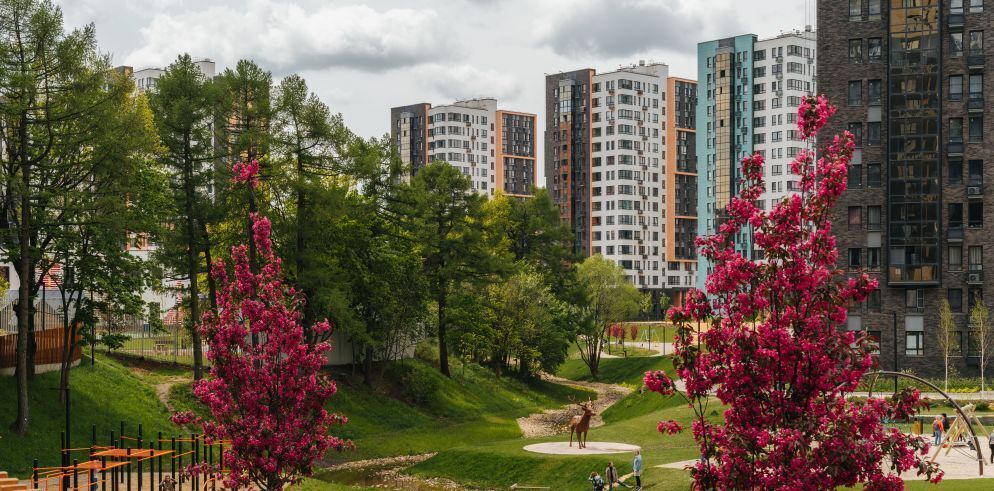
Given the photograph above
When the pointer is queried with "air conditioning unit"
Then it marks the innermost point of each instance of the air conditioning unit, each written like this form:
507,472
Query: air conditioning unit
974,278
974,190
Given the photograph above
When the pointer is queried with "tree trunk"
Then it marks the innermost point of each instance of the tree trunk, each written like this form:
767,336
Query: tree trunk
24,272
211,284
443,352
309,314
367,367
192,257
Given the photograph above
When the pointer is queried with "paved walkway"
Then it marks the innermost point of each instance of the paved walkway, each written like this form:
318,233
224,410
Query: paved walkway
592,448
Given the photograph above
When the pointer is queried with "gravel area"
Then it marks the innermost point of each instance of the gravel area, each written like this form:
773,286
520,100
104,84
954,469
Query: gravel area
555,421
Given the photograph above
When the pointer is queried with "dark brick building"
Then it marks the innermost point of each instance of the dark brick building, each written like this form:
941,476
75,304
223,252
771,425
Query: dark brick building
908,78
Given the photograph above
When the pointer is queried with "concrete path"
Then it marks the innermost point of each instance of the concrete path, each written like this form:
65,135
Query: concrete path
593,448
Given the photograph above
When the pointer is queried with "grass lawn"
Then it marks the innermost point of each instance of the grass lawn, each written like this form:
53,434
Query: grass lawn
615,370
103,395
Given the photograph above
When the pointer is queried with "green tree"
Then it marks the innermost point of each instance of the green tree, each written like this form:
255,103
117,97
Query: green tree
609,297
183,103
444,219
54,96
981,326
521,314
947,338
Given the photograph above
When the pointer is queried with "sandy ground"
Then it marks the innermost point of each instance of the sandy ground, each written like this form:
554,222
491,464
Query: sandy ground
554,421
592,448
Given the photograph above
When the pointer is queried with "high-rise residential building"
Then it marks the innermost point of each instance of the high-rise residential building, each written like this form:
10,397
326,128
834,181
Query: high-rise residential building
145,78
748,94
495,148
681,184
610,158
908,81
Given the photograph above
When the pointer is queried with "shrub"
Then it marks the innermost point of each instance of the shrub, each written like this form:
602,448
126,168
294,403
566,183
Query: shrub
415,382
427,351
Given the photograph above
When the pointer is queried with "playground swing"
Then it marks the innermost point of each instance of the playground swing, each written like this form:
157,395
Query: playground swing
957,435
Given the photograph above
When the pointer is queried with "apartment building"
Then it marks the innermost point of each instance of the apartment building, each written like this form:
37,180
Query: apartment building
748,95
607,139
909,83
495,148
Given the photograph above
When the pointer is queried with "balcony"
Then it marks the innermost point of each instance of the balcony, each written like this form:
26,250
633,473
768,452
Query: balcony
975,58
921,274
975,276
954,234
954,148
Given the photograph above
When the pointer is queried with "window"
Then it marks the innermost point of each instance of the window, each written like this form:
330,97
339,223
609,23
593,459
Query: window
955,44
873,177
855,10
976,86
874,49
855,92
873,258
856,51
955,215
955,297
955,171
873,301
956,7
855,217
873,218
873,92
955,87
975,172
976,128
975,256
975,214
914,343
976,5
955,258
874,9
955,129
873,133
855,178
976,42
973,296
914,299
855,259
857,132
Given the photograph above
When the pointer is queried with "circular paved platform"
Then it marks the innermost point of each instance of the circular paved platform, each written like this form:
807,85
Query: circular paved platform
593,448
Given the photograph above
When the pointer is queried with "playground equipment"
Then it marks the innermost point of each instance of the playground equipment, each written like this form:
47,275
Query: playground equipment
131,463
956,433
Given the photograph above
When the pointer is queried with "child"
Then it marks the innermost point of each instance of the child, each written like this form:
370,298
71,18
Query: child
596,481
637,470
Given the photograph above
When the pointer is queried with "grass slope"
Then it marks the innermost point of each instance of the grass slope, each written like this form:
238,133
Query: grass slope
616,370
103,395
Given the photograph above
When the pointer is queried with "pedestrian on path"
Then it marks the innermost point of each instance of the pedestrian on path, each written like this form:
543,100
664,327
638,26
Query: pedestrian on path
611,476
637,470
937,429
596,481
990,443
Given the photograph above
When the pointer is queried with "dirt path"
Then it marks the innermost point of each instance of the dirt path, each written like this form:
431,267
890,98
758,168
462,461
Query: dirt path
555,421
388,473
162,391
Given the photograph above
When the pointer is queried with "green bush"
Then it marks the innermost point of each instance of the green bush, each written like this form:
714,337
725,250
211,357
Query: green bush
415,382
983,406
427,351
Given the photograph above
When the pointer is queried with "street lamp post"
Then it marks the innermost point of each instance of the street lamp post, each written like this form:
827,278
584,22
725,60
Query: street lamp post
894,323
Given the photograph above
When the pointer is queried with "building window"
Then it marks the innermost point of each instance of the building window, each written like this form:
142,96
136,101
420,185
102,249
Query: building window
873,92
855,218
956,6
955,215
976,43
975,172
955,87
955,129
855,92
874,49
976,6
873,301
976,128
956,44
974,295
873,133
914,343
975,255
955,258
873,177
976,86
857,133
955,172
873,258
975,214
855,51
873,218
914,299
855,259
873,6
855,10
955,297
855,176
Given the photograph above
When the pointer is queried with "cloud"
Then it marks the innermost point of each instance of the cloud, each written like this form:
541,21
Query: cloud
618,28
462,81
286,37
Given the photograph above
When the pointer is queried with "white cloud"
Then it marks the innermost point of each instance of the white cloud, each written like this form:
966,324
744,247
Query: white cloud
457,81
286,37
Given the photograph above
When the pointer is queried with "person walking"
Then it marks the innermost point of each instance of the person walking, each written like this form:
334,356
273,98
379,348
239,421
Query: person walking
937,429
596,481
637,470
990,443
611,476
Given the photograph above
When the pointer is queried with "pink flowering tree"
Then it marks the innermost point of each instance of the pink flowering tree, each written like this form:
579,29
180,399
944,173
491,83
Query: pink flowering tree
266,399
776,354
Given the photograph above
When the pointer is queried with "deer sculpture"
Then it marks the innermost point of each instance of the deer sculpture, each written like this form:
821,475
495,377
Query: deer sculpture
580,424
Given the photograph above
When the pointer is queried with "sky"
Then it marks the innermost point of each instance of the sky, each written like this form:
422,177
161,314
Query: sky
362,58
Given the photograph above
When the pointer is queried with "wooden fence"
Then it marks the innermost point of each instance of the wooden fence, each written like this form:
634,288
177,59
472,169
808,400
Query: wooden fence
49,348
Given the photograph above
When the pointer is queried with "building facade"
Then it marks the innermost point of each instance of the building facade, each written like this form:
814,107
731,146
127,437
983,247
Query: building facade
909,83
609,149
494,148
748,95
681,184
